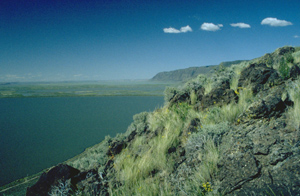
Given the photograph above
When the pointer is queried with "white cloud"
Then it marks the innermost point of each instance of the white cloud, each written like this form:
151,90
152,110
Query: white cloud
210,27
171,30
186,29
296,36
240,25
274,22
182,30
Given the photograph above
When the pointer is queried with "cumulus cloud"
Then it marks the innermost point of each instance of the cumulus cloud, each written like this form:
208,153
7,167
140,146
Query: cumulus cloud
240,25
171,30
211,26
182,30
274,22
186,29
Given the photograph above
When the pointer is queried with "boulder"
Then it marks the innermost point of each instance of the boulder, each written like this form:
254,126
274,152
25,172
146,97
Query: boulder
186,95
270,106
180,97
219,96
116,147
51,178
258,76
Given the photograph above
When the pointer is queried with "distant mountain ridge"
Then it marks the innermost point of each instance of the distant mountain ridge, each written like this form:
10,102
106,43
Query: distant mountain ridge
191,72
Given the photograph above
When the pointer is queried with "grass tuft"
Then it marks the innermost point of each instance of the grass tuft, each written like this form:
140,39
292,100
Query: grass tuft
294,112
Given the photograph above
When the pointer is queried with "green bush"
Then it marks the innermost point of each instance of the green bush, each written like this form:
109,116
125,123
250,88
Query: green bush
140,122
289,58
284,69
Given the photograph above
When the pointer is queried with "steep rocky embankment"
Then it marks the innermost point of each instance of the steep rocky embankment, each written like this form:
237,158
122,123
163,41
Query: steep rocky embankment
234,133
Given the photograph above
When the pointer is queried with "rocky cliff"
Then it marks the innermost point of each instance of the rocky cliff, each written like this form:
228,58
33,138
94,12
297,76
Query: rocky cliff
191,72
234,133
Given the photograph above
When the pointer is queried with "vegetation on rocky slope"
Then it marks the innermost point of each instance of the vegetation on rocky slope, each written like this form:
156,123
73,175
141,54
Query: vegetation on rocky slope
233,133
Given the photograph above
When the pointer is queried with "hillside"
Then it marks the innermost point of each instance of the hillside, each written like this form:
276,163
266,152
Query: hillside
235,132
191,72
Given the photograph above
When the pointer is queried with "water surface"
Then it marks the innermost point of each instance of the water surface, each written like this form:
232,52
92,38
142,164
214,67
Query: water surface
36,133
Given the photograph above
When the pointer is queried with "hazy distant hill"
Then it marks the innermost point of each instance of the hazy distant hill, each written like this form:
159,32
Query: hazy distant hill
191,72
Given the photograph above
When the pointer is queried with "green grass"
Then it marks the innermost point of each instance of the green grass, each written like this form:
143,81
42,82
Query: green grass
296,56
294,112
143,164
229,112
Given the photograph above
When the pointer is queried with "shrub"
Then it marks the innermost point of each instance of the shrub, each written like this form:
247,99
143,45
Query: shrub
63,188
289,58
284,69
140,122
92,156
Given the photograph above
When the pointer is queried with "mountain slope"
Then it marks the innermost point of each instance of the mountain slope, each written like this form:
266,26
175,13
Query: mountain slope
191,72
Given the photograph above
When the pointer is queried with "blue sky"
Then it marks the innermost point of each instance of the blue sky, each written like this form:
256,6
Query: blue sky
59,40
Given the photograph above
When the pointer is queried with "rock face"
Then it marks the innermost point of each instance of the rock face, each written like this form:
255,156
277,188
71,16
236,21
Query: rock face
260,157
186,96
271,105
43,186
295,71
258,76
219,96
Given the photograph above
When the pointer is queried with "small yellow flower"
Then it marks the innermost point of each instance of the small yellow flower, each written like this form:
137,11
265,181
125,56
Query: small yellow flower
214,102
189,133
238,120
201,126
236,92
163,136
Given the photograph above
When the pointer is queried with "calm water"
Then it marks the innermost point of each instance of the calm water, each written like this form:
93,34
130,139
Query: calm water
36,133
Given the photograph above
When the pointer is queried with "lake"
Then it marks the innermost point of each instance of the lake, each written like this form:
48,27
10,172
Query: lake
37,133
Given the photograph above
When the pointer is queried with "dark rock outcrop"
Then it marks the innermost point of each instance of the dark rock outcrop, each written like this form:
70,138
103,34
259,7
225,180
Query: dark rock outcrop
183,97
259,157
269,106
116,147
218,96
295,71
43,186
186,96
258,76
284,50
